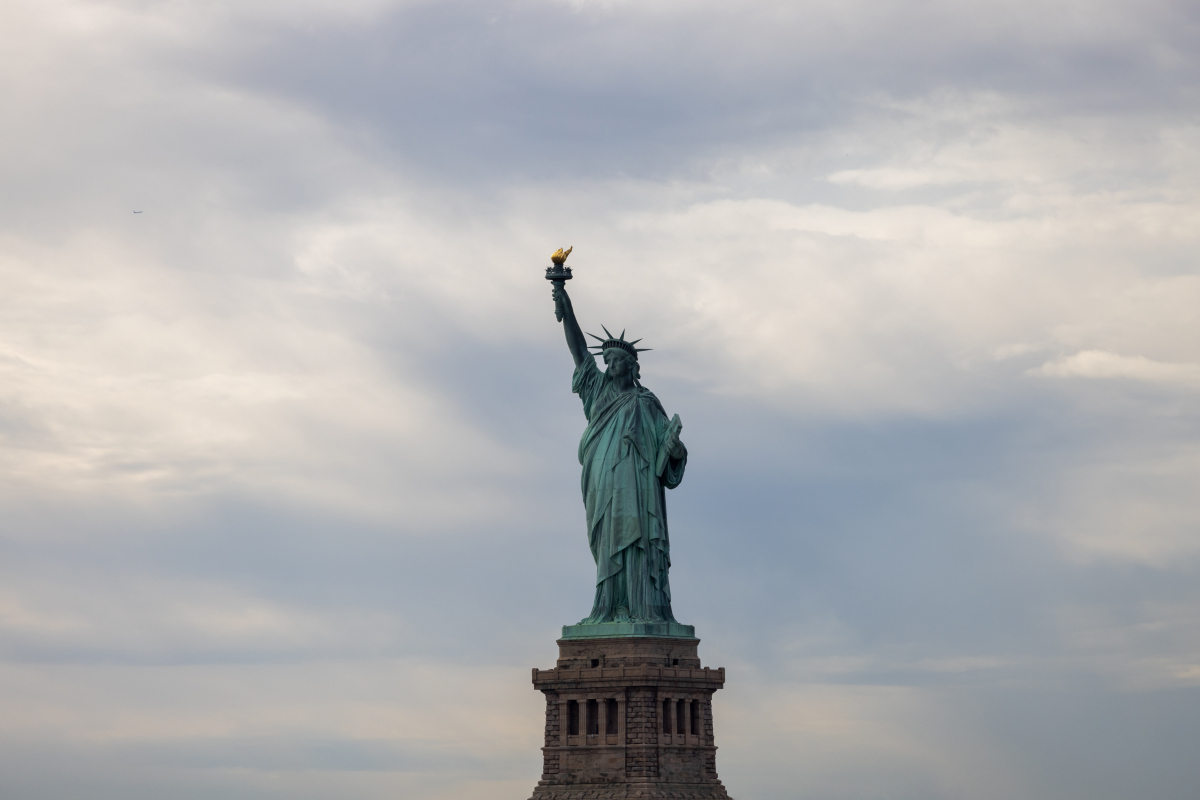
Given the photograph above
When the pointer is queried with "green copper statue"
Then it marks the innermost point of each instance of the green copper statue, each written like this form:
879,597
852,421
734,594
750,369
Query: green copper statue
630,453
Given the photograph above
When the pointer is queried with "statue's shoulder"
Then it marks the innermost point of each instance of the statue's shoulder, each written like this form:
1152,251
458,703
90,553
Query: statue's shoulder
588,364
648,396
586,374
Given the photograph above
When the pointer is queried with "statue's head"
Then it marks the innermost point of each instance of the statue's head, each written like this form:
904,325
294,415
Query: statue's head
621,363
620,355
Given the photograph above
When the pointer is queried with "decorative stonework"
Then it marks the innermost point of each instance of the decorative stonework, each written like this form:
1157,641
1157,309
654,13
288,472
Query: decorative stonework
629,718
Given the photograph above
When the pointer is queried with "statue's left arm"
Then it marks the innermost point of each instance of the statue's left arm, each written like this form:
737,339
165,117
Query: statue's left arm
675,448
672,458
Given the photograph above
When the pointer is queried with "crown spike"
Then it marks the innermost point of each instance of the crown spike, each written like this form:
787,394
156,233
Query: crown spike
616,342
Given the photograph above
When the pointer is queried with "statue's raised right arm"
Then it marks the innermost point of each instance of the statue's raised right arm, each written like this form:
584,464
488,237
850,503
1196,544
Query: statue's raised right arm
575,341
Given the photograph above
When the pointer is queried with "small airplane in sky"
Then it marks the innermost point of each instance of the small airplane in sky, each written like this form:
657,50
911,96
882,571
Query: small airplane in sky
137,212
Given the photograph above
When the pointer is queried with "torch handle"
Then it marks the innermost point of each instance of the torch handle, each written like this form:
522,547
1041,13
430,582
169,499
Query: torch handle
558,275
558,303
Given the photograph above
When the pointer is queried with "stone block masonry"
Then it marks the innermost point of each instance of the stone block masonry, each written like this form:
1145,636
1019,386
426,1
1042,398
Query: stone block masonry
629,717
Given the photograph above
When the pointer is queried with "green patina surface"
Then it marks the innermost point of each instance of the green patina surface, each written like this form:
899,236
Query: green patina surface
603,630
630,454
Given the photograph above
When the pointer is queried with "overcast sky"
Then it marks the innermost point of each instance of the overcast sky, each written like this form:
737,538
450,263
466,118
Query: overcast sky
289,499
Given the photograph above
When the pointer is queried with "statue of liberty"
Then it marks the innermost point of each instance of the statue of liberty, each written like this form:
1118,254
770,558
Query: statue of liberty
630,453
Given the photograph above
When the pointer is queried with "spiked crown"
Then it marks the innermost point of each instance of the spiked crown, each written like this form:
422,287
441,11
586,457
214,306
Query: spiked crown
617,342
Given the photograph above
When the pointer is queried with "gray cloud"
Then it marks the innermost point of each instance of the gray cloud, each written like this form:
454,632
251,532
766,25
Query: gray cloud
288,458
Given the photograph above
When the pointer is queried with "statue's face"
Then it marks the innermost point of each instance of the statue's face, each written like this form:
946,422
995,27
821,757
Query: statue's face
619,362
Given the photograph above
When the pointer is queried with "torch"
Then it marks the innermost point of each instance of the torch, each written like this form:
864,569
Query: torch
559,275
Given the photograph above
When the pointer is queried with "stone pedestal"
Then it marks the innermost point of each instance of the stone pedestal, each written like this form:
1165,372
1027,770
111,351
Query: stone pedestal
629,717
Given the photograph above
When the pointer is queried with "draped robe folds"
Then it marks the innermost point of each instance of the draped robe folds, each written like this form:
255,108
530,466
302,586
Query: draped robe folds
623,495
